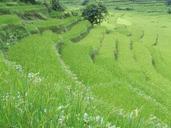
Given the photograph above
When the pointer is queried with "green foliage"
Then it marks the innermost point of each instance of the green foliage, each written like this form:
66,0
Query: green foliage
21,8
56,5
63,14
32,16
47,84
54,24
124,8
51,79
77,30
9,19
10,34
168,2
169,11
95,13
29,1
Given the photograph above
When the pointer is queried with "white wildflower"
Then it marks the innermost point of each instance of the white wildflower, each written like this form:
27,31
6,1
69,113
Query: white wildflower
136,112
19,68
26,94
85,117
34,77
112,126
45,110
109,125
154,121
61,119
18,95
99,120
30,75
60,107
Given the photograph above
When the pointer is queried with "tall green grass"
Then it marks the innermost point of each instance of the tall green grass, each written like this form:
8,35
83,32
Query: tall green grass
115,77
10,19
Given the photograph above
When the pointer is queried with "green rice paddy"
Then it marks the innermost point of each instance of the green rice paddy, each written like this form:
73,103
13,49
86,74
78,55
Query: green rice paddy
66,73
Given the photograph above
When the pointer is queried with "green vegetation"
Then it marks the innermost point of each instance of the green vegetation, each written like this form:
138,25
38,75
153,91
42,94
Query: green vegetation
59,70
20,8
28,1
57,6
51,23
9,19
95,13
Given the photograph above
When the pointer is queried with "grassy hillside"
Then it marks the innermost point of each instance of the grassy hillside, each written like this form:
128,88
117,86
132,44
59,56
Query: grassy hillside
58,70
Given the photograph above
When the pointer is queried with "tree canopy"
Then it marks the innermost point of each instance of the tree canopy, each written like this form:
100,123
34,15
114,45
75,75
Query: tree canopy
57,6
95,13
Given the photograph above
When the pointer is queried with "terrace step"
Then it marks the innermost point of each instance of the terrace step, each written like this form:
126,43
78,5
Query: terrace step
56,25
62,26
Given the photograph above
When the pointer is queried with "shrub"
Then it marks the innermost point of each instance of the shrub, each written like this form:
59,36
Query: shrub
57,6
95,13
168,2
10,34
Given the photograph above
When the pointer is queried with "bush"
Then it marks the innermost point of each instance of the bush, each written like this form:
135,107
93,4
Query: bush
95,13
10,34
168,2
57,6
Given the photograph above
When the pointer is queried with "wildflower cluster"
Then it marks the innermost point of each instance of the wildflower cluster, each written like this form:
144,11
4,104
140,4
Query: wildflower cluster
96,121
17,100
34,77
63,116
19,68
155,122
129,115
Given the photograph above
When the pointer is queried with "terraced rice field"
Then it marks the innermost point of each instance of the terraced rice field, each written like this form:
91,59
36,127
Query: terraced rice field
67,73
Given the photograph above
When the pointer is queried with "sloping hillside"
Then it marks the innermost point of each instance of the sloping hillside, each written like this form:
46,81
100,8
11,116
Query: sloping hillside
64,72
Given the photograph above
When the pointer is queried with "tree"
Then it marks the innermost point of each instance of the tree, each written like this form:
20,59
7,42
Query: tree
57,6
95,13
168,2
